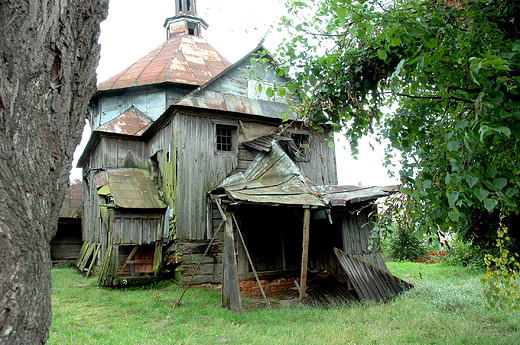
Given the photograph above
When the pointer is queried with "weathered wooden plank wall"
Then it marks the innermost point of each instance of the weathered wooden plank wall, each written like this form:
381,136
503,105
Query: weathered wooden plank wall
356,229
320,166
199,169
137,228
67,242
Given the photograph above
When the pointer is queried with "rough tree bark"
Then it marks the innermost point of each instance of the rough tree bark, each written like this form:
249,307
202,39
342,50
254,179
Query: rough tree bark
48,56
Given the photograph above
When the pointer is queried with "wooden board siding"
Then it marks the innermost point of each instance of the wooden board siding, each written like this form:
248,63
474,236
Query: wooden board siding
189,254
137,228
114,152
67,242
150,100
356,229
321,164
199,169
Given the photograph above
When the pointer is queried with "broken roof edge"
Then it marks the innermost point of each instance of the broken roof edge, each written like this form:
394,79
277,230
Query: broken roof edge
270,180
173,109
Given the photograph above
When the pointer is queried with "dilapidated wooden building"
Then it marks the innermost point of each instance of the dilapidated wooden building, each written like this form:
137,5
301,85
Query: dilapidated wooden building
178,140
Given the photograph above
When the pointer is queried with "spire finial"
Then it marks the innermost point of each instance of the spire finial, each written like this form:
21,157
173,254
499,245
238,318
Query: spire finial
185,7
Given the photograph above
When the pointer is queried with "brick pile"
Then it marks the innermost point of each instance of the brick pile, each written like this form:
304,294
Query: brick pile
280,286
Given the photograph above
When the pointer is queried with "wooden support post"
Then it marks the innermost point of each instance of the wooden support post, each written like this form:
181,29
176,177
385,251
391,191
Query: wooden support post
305,253
230,285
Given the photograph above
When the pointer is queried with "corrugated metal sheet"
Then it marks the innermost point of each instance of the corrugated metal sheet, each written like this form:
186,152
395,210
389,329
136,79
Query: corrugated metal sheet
273,178
184,59
344,195
131,122
131,188
239,104
370,282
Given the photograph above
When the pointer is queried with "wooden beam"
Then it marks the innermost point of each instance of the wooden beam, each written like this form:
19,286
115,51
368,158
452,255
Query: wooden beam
305,253
230,285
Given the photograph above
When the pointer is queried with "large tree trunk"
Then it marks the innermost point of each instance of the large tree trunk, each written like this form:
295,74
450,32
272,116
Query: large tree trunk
48,57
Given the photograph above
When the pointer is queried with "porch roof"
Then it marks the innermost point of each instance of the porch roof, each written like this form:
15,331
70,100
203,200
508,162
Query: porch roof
130,188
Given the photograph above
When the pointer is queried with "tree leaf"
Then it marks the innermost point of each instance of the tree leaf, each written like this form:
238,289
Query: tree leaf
382,54
500,183
269,92
452,197
490,204
454,145
481,194
454,216
471,180
405,190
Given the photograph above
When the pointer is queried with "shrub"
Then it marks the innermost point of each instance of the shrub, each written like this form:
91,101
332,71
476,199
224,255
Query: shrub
464,253
404,246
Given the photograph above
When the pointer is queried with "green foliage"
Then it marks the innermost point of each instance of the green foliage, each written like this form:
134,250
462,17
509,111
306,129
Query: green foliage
451,71
502,278
404,246
462,252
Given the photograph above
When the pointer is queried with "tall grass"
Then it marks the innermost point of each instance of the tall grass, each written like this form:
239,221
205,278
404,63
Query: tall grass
446,307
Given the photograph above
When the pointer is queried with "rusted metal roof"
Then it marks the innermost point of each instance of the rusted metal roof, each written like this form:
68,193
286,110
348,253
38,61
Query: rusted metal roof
272,178
233,103
131,122
344,195
131,188
71,206
184,59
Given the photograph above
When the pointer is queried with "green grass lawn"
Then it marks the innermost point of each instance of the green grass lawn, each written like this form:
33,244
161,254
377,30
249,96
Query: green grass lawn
445,307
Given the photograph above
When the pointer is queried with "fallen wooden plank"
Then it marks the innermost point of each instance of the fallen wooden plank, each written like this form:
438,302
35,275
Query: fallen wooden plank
370,283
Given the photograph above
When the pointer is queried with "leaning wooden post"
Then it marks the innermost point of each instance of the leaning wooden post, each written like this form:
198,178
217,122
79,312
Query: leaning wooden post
305,253
230,285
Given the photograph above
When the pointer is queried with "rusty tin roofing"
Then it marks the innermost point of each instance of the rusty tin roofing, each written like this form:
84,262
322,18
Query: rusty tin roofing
233,103
274,179
184,59
131,122
131,188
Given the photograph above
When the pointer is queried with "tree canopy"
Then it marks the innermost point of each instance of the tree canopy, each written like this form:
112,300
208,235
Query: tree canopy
450,69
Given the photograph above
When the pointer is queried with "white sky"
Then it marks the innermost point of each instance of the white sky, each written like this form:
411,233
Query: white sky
135,27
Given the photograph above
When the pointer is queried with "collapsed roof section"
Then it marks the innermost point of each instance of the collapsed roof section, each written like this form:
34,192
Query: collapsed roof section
274,179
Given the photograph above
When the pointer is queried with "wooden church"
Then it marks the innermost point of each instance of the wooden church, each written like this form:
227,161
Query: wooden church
187,150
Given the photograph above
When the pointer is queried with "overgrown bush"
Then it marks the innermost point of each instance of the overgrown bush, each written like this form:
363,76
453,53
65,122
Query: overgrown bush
464,253
404,246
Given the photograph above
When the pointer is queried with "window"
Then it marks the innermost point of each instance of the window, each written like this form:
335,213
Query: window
301,144
225,138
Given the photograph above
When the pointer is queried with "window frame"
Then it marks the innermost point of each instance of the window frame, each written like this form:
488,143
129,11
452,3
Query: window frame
232,126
